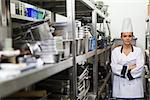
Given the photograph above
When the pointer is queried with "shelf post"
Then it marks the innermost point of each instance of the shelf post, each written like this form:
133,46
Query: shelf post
5,21
71,31
95,66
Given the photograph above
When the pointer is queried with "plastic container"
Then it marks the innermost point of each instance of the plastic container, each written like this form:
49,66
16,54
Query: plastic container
92,43
40,15
32,13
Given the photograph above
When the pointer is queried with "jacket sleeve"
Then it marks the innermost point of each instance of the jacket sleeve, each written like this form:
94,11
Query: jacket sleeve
137,72
117,69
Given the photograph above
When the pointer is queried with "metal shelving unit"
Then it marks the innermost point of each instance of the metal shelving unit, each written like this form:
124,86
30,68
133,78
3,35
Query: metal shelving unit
28,78
19,82
99,51
83,57
147,38
147,56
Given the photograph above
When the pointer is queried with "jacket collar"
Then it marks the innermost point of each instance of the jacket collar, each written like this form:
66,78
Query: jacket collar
122,49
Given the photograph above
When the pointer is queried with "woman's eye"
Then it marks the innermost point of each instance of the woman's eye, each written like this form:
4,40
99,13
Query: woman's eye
130,35
127,36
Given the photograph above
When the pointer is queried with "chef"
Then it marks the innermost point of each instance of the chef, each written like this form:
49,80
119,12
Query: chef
127,63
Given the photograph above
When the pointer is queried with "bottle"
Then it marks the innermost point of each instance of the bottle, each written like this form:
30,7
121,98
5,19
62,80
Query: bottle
17,8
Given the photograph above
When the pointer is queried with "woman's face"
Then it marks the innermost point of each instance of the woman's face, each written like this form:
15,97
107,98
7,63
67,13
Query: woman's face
127,37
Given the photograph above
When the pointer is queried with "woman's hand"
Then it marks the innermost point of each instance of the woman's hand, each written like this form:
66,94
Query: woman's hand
131,66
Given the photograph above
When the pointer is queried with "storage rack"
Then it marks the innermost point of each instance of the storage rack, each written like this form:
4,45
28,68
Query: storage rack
147,38
147,54
147,42
19,82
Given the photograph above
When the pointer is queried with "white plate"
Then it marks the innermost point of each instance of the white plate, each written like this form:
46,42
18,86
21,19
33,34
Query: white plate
6,74
10,66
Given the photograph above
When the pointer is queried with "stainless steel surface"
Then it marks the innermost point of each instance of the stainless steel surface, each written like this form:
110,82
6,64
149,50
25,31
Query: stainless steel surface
42,32
83,82
83,75
83,57
28,78
147,34
91,96
147,47
8,15
88,3
36,75
33,47
61,29
5,21
91,5
99,51
33,76
104,84
95,66
70,4
100,13
50,58
84,7
90,54
84,93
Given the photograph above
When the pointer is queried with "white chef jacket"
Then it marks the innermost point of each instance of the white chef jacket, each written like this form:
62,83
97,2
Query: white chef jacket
127,84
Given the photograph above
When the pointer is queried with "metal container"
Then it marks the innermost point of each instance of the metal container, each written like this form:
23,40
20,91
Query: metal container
62,30
50,58
41,32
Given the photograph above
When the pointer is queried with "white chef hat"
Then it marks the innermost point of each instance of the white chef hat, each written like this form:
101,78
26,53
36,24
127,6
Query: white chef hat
127,25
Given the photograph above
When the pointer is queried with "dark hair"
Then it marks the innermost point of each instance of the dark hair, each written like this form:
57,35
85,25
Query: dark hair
131,32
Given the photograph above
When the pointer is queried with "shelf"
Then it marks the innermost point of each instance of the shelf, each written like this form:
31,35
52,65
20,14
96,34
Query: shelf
28,78
92,6
99,51
84,7
19,82
90,54
83,57
23,17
